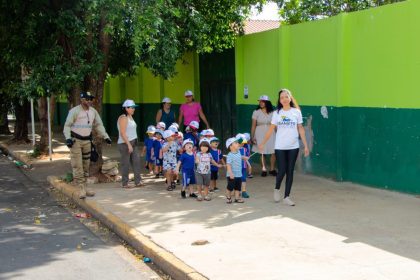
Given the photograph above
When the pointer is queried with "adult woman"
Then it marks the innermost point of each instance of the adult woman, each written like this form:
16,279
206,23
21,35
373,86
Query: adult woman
288,121
261,120
191,111
165,113
127,143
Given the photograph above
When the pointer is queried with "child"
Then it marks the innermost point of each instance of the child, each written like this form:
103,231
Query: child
147,149
234,171
187,161
248,148
244,153
156,154
191,132
161,126
169,151
203,159
217,157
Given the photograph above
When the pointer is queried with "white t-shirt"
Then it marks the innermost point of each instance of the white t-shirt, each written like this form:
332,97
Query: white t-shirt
287,136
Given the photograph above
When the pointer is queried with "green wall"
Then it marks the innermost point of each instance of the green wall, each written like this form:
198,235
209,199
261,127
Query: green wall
362,67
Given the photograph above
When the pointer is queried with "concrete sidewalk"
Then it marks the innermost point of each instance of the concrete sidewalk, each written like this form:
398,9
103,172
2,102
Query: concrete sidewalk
335,231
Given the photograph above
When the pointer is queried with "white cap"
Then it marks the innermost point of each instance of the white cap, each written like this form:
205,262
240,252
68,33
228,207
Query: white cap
203,132
247,136
214,139
241,136
175,124
168,133
129,103
166,100
264,98
186,141
209,132
160,131
173,128
161,125
151,129
180,134
230,141
204,140
194,124
188,93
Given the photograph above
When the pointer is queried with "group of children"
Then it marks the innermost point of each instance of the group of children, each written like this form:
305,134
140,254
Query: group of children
196,158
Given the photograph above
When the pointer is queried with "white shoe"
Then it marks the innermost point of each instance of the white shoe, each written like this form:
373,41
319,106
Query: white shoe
276,195
288,201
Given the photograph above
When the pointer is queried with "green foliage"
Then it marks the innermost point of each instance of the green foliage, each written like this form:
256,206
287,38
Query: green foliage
296,11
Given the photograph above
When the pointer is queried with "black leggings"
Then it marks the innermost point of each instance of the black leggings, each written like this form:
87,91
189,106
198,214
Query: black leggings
286,160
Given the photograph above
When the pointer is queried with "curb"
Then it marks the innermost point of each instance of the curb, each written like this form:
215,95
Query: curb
6,150
165,260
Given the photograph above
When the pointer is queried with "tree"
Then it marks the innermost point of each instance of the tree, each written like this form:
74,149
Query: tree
296,11
68,46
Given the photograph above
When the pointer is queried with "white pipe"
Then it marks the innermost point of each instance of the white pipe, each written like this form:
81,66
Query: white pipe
49,129
33,122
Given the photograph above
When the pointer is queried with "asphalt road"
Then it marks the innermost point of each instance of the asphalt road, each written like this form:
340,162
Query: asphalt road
39,239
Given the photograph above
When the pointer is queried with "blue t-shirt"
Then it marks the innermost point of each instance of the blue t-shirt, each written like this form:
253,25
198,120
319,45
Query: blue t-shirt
187,161
244,152
157,146
217,156
235,161
148,143
191,136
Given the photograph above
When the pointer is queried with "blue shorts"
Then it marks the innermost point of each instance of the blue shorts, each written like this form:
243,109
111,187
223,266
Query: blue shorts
188,177
244,174
158,162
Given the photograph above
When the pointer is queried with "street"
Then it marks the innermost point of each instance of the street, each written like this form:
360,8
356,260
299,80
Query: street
39,239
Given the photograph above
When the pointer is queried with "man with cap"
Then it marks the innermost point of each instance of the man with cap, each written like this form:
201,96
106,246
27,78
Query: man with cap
78,132
191,111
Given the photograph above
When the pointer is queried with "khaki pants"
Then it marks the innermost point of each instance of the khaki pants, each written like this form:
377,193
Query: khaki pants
80,160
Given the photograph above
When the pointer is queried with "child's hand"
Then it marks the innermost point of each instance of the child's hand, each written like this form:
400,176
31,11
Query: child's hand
245,158
220,165
231,176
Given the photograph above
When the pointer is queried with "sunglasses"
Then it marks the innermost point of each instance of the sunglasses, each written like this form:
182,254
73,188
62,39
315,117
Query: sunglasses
132,107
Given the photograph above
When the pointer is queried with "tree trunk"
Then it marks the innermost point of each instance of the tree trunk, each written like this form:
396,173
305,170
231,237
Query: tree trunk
4,124
42,145
97,87
21,126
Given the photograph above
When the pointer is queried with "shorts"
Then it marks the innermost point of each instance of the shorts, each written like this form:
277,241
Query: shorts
188,178
158,162
214,175
169,165
244,175
202,179
234,184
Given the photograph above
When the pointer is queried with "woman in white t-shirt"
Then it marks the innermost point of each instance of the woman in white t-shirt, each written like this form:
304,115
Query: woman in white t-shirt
287,118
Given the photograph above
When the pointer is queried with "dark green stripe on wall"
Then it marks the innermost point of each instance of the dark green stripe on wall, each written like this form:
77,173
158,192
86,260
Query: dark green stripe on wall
376,146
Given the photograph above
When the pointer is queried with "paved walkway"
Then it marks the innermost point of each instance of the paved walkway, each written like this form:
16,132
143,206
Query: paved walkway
335,231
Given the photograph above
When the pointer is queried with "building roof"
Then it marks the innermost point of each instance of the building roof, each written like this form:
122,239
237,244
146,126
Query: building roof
254,26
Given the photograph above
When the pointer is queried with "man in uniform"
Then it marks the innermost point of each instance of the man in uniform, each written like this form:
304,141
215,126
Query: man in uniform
78,132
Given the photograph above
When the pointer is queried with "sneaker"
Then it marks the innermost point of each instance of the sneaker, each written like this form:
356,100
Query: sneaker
157,176
273,172
250,176
173,185
183,194
245,195
264,174
193,195
199,197
276,195
288,201
207,198
178,182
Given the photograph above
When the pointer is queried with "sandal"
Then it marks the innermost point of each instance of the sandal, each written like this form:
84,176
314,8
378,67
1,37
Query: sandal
228,200
239,200
169,188
139,185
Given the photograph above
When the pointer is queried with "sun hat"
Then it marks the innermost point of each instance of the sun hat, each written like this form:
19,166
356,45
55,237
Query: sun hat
214,139
187,141
161,125
151,129
168,133
264,98
129,103
230,141
173,128
188,93
166,100
204,140
194,124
